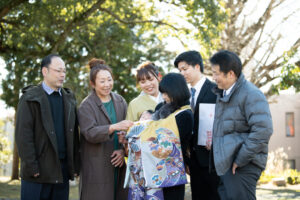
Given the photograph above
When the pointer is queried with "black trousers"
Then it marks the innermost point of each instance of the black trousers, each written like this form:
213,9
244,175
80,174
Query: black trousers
204,184
174,193
242,185
45,191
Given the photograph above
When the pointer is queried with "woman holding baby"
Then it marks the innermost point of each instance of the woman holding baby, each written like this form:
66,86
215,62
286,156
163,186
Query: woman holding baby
158,148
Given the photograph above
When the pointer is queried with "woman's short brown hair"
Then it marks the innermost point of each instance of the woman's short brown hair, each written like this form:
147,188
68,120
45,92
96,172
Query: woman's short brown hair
95,66
146,69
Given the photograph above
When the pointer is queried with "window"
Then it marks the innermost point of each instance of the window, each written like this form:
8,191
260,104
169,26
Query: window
290,124
290,164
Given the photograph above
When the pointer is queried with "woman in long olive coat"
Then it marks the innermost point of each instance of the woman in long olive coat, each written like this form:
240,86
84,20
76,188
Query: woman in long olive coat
99,152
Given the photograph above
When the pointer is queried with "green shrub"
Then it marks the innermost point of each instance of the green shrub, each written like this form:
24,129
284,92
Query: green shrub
265,178
292,176
276,168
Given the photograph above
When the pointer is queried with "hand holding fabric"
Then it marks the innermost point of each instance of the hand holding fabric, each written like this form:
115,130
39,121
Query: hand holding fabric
120,126
121,137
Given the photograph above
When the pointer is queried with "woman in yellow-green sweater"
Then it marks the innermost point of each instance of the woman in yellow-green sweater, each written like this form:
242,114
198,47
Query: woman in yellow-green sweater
148,80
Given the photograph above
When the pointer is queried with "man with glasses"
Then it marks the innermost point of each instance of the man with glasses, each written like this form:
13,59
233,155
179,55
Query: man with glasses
204,180
47,135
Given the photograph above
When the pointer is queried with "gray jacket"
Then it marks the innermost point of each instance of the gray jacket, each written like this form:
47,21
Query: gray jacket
242,127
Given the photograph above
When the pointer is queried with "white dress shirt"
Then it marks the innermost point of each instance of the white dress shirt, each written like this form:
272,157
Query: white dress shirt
157,99
198,87
49,90
227,92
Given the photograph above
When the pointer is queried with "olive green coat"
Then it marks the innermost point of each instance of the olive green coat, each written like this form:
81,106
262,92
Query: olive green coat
36,139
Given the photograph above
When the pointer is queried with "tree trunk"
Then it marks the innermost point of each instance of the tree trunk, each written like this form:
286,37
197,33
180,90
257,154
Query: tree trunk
15,164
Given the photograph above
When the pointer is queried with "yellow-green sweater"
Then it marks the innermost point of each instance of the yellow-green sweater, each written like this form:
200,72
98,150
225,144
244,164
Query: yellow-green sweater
138,105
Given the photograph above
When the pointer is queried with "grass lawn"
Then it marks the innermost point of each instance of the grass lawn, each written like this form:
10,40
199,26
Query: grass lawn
271,192
11,190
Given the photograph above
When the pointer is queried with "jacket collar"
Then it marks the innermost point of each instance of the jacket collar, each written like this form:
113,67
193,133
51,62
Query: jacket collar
237,85
98,100
37,93
204,89
116,101
49,90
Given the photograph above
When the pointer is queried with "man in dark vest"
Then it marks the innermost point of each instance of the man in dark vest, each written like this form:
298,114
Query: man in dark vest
47,135
204,180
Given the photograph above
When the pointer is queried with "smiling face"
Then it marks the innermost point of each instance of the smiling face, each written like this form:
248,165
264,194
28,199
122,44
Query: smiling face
224,81
103,84
149,85
55,73
191,73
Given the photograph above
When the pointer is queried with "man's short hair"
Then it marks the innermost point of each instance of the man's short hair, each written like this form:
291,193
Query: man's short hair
191,58
227,61
47,60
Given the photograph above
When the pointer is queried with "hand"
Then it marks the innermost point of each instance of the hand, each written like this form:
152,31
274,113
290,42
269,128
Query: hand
36,175
121,126
208,146
187,170
188,153
121,137
234,167
117,158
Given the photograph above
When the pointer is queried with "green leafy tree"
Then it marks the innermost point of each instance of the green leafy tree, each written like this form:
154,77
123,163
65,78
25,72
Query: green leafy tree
290,73
123,33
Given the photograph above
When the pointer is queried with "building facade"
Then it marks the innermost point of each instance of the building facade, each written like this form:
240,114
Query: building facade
285,110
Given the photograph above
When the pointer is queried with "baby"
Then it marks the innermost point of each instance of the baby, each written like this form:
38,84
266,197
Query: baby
146,115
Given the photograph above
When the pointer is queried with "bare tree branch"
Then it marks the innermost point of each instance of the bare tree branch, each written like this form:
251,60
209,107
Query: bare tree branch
253,29
270,50
171,2
159,22
255,49
264,70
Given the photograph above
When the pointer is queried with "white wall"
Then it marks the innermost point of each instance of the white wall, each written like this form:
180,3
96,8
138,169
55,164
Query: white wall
279,105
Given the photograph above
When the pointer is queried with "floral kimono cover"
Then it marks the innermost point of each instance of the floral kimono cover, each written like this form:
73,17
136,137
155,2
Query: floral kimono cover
155,159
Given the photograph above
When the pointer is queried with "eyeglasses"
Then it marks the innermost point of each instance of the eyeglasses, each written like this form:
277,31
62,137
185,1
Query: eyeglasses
59,70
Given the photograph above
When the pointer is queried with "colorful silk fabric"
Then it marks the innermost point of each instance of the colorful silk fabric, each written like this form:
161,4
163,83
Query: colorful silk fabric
155,159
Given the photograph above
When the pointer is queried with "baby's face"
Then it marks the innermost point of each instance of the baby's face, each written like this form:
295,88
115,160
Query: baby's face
145,116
